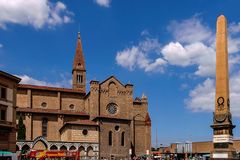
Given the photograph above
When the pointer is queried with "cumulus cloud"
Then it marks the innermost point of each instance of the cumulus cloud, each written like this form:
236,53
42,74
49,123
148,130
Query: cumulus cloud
37,13
192,54
190,30
25,79
103,3
139,56
193,45
234,27
202,97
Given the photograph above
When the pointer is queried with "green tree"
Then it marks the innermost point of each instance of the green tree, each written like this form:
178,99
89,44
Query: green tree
21,130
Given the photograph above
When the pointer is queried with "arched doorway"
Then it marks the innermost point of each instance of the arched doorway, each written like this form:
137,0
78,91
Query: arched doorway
25,148
72,148
81,151
17,148
63,148
53,147
40,145
90,152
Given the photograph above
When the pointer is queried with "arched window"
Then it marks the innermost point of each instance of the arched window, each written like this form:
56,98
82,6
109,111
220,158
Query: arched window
110,138
112,89
25,148
63,148
90,152
53,147
44,127
72,148
79,78
82,151
122,139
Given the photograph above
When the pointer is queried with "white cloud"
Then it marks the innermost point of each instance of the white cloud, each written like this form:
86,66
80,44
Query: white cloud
25,79
234,27
138,56
192,54
37,13
103,3
1,45
202,97
233,44
190,31
192,47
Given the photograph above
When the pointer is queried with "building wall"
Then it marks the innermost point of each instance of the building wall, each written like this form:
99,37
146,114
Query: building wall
95,104
203,147
51,98
116,149
112,91
75,134
8,126
72,99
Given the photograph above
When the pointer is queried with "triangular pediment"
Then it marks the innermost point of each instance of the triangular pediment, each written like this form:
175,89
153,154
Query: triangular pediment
112,79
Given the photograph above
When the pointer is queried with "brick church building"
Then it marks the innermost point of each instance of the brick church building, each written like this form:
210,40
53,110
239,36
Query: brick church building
106,122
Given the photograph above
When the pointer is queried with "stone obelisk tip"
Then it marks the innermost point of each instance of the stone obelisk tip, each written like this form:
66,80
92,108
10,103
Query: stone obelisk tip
221,17
221,24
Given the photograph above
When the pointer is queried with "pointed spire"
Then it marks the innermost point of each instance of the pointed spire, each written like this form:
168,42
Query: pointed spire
79,63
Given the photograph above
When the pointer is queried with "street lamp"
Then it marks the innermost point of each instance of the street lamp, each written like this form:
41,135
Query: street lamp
134,135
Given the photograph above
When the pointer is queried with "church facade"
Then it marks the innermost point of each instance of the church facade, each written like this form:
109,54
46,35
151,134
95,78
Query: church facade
106,122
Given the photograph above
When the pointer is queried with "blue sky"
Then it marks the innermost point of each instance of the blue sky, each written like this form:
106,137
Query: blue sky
165,48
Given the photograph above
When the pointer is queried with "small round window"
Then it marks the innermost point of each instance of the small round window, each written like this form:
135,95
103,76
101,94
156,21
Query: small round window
85,132
117,128
112,108
71,106
44,104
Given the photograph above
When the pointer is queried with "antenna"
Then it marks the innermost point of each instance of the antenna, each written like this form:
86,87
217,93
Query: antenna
78,27
156,139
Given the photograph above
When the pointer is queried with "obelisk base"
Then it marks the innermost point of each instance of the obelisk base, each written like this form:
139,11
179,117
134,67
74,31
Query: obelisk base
223,143
223,154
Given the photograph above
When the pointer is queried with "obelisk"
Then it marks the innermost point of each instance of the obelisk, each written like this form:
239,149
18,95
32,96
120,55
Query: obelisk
222,121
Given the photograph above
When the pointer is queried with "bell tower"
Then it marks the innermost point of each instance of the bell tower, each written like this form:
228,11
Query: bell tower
222,121
79,70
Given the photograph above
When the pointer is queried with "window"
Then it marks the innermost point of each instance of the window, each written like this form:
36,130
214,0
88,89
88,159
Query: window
44,127
122,138
79,78
3,112
3,93
85,132
71,106
117,128
3,115
110,138
112,108
44,104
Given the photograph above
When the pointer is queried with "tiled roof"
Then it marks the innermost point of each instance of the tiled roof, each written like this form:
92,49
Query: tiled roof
69,90
79,122
83,122
12,77
51,111
111,117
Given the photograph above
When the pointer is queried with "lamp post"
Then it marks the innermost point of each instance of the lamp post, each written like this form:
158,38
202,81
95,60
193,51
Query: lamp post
134,135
